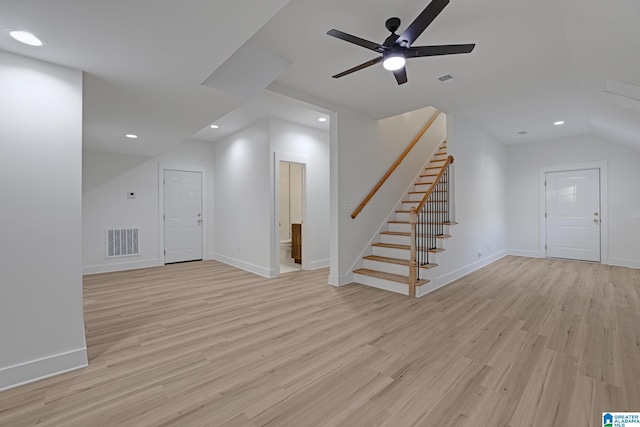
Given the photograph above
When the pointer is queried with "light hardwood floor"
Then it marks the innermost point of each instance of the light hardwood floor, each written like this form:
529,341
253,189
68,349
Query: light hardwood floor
523,342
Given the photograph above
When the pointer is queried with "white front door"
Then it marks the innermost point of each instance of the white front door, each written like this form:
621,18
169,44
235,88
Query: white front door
182,216
573,214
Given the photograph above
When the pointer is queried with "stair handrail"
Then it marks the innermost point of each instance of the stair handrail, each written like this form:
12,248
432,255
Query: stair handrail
433,184
395,165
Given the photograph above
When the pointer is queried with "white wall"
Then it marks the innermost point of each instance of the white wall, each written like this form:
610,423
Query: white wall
110,177
480,191
41,323
243,188
286,137
623,165
366,149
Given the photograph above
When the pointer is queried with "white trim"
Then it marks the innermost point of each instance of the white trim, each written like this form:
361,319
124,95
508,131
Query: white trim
441,281
121,266
621,262
386,285
342,280
526,253
251,268
205,214
35,370
281,156
316,265
604,203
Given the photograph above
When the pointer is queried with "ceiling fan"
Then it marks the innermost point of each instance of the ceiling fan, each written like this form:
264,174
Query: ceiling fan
396,49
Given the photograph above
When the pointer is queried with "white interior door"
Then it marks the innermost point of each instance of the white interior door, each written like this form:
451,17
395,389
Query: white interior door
573,214
182,216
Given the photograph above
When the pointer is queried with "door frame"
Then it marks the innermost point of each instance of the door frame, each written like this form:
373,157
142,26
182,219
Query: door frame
184,168
604,203
275,235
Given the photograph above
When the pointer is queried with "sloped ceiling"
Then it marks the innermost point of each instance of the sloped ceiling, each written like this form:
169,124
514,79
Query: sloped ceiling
536,61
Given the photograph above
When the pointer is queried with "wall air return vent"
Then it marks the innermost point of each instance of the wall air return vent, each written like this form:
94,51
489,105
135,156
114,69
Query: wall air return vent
123,242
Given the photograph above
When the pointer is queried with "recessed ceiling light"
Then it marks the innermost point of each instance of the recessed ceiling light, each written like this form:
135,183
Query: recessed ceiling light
131,136
26,37
558,123
322,119
214,126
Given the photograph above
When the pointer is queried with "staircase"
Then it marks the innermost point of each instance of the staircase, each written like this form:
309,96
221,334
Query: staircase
390,265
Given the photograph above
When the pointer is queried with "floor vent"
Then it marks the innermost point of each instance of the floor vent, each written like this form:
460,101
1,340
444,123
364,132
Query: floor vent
123,242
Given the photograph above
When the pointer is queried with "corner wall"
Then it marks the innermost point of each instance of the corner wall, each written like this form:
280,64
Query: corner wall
524,192
41,323
109,177
243,218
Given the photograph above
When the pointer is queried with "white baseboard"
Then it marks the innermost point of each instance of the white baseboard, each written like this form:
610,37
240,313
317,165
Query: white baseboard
35,370
459,273
526,253
621,262
341,280
387,285
109,268
316,265
251,268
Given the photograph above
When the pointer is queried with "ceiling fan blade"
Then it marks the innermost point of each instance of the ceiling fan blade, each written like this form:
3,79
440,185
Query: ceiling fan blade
423,20
445,49
401,75
356,40
359,67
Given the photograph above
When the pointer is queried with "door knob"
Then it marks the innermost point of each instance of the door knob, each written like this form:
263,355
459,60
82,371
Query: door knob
596,220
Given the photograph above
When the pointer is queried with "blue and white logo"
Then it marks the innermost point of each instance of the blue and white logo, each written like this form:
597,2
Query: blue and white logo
621,419
607,420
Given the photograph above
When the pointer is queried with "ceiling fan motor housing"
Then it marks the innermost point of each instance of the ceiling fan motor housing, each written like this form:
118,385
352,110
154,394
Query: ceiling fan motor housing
392,24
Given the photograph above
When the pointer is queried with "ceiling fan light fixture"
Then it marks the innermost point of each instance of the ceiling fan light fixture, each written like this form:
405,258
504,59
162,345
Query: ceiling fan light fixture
394,61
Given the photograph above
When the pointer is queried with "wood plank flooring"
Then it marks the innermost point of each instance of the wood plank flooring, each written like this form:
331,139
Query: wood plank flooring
522,342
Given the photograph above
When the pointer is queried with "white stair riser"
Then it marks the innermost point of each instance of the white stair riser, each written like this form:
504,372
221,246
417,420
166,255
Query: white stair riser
402,216
391,252
416,196
403,228
406,228
408,205
386,267
395,240
376,282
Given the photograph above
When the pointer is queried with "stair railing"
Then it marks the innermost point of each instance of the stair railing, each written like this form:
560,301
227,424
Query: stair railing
394,166
427,223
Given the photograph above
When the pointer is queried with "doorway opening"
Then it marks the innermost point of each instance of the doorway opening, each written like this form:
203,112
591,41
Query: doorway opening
290,221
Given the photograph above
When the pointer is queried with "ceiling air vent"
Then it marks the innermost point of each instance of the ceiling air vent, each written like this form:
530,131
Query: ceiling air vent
447,79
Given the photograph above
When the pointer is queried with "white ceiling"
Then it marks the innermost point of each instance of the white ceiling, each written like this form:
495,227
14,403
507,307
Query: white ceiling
535,62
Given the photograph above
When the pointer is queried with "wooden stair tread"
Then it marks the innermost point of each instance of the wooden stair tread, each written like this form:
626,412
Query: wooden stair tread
404,233
388,276
429,211
396,261
404,247
392,246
